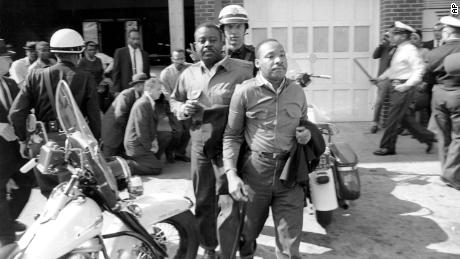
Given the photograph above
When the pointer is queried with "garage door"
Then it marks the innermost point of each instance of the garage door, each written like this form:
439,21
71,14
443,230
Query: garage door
323,37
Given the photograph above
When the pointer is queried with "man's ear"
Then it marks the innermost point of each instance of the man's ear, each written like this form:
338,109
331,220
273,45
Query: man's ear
256,63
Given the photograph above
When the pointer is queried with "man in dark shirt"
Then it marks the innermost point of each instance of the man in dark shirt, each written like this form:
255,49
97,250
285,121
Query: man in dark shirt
90,63
446,101
67,44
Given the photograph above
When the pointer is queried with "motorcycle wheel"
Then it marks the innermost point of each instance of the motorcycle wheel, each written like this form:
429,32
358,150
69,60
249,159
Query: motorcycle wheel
324,218
178,235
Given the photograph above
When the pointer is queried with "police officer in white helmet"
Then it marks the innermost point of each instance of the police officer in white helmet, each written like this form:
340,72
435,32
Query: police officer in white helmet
39,91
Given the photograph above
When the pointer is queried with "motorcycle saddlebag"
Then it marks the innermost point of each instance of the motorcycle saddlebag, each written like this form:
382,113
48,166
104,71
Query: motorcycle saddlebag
346,172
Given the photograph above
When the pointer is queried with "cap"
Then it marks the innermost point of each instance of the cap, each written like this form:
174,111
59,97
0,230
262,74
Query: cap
30,45
452,64
402,27
4,50
41,44
138,78
450,21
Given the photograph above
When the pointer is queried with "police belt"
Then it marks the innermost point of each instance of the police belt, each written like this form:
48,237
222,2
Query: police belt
52,126
272,155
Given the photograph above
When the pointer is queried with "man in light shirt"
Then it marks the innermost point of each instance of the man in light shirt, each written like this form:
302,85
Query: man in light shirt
19,68
405,71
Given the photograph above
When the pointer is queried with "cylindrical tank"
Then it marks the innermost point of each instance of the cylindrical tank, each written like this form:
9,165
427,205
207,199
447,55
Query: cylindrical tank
323,195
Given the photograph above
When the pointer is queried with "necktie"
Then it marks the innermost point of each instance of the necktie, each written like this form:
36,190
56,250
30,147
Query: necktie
5,95
134,62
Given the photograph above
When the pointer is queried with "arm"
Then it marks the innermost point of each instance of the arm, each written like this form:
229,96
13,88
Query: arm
378,52
91,107
166,88
121,110
20,110
116,72
178,98
233,136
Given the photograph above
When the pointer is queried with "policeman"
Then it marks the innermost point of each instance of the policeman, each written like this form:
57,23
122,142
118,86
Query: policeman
233,21
446,99
405,71
39,91
208,83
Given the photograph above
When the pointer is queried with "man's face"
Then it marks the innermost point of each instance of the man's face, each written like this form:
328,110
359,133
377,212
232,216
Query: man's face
154,89
398,37
208,44
415,39
44,52
91,51
178,59
5,63
234,33
272,61
31,55
437,32
134,39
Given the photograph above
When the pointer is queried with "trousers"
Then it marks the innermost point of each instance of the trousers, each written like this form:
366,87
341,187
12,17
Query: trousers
383,88
446,113
399,116
180,134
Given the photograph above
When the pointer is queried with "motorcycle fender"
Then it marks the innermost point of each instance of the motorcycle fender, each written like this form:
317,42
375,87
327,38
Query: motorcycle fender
78,221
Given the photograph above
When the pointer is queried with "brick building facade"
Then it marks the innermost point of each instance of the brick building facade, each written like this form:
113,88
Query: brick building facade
208,10
406,11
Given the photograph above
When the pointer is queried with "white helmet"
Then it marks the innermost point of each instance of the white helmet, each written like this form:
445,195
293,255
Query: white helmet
233,14
67,41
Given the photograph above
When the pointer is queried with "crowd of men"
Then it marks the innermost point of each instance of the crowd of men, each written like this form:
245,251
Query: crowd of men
234,104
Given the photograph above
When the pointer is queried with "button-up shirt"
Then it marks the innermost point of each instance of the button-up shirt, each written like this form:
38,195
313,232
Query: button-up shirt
266,118
19,69
198,83
168,79
137,66
406,64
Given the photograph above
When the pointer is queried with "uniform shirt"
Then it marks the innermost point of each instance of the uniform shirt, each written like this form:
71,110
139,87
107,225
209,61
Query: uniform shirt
115,119
19,69
198,83
141,129
168,79
34,95
136,55
436,73
406,64
246,52
266,118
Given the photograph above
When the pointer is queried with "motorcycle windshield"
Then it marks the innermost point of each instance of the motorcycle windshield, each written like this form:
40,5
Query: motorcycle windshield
73,123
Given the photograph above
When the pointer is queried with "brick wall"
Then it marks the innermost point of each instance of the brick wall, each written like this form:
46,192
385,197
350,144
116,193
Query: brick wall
406,11
208,10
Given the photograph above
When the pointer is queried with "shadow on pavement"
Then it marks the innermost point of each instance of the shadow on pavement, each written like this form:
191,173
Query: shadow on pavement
377,225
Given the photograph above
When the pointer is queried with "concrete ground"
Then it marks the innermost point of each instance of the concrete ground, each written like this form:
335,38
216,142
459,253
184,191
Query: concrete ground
404,211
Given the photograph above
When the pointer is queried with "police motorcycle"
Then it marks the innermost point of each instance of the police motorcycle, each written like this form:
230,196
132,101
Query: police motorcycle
335,181
100,212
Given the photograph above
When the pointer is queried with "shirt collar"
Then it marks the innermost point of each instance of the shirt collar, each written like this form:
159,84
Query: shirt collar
222,63
261,80
131,49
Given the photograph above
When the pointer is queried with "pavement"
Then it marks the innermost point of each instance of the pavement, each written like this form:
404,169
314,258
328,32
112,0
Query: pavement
404,211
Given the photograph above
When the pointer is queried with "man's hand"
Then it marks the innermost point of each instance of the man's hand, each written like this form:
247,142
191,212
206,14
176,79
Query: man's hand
193,54
191,107
23,150
303,79
303,135
402,88
236,187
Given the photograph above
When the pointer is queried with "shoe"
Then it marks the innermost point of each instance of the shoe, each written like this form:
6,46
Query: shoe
450,184
374,129
182,158
170,158
210,254
19,226
429,147
384,152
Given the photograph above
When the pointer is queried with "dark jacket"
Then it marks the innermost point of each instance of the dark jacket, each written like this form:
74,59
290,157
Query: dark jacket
303,159
435,71
34,95
14,90
384,52
122,72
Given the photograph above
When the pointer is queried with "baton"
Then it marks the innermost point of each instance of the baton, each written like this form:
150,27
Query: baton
362,68
321,76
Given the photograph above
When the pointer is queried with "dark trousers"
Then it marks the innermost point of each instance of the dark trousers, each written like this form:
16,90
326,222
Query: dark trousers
165,139
383,89
12,206
446,113
206,178
399,116
262,174
181,134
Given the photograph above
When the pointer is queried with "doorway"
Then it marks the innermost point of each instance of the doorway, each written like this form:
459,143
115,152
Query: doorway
112,36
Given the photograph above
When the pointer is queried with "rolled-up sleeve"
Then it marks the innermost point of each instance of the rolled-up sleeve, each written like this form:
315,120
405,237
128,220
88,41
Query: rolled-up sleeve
178,98
233,136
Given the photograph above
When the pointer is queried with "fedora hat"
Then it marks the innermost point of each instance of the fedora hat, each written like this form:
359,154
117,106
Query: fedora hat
4,50
138,78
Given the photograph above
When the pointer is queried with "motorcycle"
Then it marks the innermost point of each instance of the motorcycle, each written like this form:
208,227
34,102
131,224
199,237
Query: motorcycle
101,211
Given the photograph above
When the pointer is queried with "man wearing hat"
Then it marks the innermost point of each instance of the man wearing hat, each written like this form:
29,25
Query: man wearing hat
44,56
405,71
446,99
115,119
39,93
19,68
10,159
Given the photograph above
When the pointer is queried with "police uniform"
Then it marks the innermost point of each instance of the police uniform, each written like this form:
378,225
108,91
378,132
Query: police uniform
406,70
446,103
197,83
34,96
